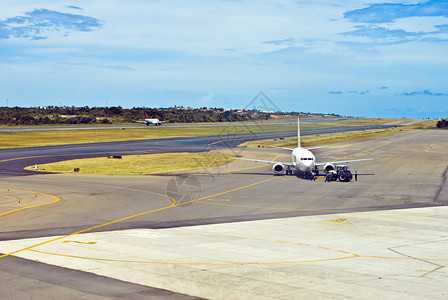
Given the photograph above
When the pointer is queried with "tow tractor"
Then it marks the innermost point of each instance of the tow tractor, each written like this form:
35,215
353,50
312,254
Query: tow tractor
342,173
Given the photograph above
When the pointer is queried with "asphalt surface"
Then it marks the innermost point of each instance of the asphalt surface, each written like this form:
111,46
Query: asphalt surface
407,172
178,125
12,161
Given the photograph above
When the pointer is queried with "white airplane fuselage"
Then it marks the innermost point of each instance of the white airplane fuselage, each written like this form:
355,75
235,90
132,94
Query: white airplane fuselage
303,160
152,121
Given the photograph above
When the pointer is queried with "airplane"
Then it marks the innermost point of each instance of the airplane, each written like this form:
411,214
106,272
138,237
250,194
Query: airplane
148,121
304,161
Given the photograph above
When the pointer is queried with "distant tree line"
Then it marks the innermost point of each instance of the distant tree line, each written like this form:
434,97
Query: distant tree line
37,116
443,123
109,115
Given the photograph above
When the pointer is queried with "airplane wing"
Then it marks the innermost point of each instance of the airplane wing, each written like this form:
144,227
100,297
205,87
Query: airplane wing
139,121
290,149
342,161
163,121
316,147
264,161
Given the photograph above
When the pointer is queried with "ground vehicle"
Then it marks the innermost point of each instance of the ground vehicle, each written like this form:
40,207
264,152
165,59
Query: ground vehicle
304,161
342,173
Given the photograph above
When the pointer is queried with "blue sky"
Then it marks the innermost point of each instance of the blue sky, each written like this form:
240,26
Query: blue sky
360,58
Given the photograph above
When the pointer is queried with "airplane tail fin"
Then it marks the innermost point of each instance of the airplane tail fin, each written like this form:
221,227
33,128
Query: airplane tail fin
146,115
298,133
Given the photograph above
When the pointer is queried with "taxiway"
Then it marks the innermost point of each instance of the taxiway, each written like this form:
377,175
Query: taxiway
233,232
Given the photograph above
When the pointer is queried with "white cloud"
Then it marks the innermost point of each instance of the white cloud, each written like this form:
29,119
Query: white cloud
35,24
419,24
211,51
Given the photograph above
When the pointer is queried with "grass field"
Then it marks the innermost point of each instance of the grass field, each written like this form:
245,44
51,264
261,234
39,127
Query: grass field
64,137
138,164
176,162
326,139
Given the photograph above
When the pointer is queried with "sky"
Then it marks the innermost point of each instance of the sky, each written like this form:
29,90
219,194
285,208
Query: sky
353,58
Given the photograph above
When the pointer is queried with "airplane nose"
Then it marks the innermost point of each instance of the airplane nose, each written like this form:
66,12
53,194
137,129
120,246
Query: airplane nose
309,165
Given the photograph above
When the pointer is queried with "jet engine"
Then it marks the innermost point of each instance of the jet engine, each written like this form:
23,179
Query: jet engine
328,167
278,168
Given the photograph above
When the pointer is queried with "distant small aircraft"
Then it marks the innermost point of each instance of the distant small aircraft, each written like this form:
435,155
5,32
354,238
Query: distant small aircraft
148,121
304,161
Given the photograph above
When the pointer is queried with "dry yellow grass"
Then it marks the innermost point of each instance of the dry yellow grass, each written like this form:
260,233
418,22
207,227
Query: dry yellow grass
64,137
139,164
319,139
325,139
176,162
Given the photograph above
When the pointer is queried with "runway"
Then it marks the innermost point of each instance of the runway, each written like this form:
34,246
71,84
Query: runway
12,161
233,232
174,125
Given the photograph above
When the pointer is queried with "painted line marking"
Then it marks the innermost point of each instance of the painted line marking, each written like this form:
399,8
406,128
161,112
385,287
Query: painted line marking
51,155
348,255
84,243
207,263
325,248
174,204
198,263
338,220
56,199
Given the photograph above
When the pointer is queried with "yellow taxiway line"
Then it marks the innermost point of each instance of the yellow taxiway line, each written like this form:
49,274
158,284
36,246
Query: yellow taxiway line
56,199
174,204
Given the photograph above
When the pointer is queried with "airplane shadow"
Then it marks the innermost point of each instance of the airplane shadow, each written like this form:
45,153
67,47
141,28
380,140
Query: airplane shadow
296,174
253,173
